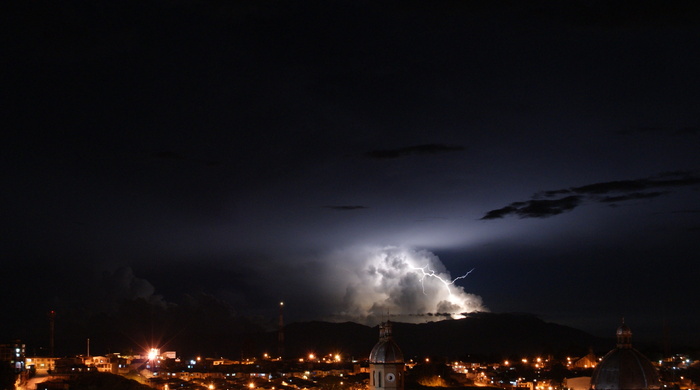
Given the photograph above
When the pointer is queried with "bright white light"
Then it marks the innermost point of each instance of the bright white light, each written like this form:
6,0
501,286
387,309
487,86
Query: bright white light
429,273
412,285
153,353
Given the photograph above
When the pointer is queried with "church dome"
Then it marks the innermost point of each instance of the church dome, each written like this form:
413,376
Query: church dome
625,368
386,350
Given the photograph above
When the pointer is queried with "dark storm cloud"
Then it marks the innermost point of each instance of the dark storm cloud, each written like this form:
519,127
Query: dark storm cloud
425,149
553,193
346,208
621,190
123,284
632,196
538,208
674,179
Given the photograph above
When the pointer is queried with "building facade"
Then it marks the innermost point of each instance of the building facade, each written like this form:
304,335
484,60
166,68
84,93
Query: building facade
13,353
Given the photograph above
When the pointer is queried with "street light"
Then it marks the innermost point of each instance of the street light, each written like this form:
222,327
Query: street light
152,353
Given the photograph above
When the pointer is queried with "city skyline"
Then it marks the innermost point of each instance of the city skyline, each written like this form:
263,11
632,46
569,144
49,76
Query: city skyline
354,160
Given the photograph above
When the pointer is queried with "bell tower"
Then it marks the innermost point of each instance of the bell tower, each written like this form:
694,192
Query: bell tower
386,364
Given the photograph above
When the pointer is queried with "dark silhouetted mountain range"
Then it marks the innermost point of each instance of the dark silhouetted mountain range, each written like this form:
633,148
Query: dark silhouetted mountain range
481,334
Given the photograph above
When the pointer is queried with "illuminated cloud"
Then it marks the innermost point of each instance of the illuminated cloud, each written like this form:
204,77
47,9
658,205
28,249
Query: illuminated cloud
403,283
122,285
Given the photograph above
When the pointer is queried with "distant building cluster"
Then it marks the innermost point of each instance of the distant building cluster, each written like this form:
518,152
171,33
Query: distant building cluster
623,368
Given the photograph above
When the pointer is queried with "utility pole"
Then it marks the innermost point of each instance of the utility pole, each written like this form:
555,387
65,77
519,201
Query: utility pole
280,333
52,320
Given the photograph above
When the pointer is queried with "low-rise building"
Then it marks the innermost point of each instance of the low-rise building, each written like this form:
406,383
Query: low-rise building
41,365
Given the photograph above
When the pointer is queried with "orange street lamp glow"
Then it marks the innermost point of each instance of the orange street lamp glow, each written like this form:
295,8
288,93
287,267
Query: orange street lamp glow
153,353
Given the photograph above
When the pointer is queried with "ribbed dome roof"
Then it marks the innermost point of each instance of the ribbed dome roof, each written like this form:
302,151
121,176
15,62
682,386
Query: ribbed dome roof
625,368
386,350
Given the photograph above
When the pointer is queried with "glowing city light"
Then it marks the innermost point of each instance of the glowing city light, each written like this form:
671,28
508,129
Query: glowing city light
153,353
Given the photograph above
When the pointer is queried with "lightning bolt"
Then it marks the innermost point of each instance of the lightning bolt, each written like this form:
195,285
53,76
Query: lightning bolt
444,281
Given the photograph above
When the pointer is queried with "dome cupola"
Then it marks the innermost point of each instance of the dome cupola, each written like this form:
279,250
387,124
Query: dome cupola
386,350
624,336
625,368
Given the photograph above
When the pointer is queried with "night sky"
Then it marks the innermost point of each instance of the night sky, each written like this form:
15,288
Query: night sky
328,153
